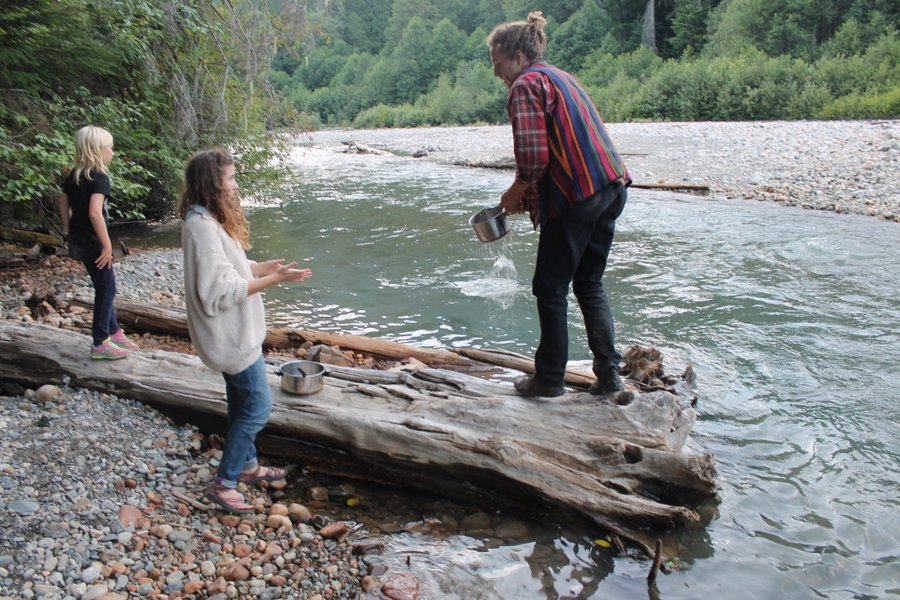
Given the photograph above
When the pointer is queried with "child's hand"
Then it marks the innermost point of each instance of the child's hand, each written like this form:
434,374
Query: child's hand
281,271
105,259
289,273
267,267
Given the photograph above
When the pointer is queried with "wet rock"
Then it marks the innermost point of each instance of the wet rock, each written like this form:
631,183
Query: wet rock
400,586
334,530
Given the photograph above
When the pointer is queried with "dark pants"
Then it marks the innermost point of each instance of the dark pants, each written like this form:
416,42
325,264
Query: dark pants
573,249
105,323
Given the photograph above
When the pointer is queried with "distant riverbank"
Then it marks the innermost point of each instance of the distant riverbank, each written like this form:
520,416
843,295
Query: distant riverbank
840,166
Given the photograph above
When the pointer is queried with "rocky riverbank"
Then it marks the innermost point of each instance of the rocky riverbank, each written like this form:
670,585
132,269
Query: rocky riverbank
101,497
840,166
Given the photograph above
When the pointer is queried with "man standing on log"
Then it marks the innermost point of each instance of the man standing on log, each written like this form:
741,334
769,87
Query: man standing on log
574,185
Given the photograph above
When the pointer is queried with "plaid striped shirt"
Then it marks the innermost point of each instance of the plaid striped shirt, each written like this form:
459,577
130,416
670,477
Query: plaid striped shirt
563,153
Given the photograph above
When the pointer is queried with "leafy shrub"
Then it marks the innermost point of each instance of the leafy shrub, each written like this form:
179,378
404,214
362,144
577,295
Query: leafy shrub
679,91
756,86
616,101
600,68
380,115
808,101
857,106
471,95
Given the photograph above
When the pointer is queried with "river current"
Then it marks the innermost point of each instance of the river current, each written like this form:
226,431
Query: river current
790,317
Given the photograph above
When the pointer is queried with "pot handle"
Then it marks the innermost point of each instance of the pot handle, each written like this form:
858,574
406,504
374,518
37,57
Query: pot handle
278,372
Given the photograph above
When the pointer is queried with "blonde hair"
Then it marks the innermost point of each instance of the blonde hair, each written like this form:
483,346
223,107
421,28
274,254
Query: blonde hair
527,36
203,187
90,141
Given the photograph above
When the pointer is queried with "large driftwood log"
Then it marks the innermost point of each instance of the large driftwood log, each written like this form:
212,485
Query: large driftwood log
172,321
622,466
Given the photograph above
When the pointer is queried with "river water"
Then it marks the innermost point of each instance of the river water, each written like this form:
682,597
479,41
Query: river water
790,317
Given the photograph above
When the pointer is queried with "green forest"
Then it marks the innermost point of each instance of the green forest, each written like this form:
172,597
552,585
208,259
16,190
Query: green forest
167,77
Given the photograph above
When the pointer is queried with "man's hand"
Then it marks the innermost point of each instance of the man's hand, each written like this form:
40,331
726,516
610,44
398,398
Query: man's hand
513,199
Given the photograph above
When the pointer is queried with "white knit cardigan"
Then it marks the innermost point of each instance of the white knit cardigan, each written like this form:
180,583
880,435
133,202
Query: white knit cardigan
226,325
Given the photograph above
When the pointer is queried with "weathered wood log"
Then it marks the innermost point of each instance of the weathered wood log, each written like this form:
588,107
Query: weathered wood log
29,237
510,163
172,321
674,187
622,466
357,148
519,362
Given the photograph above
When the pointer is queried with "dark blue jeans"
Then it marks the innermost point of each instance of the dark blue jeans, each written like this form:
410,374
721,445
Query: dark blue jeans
105,323
573,249
249,407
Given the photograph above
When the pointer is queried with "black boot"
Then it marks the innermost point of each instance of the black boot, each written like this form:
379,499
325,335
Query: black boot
608,382
529,386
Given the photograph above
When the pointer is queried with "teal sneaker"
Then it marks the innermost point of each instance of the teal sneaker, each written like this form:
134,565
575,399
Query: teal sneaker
108,350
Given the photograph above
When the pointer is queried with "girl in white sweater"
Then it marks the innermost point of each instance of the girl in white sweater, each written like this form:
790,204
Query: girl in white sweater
225,314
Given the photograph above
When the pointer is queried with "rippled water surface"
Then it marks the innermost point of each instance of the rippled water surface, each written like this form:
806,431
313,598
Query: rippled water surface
790,317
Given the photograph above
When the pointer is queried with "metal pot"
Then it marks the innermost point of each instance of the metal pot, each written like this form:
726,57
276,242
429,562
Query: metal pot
301,377
490,224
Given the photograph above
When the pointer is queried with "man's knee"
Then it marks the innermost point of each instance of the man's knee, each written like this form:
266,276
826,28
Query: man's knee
587,289
544,289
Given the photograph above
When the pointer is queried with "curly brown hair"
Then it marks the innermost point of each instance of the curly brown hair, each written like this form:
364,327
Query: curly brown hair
527,36
203,187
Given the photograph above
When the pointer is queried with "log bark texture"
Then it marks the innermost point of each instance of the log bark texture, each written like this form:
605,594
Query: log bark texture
622,466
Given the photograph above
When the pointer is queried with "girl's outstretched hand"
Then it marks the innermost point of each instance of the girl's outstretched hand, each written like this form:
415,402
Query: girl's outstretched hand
284,272
261,269
272,272
289,273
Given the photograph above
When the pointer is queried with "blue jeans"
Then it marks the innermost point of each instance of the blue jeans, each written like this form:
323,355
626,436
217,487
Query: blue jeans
573,249
105,323
249,407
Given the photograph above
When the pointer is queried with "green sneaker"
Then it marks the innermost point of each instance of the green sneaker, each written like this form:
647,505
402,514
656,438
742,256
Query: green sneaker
108,351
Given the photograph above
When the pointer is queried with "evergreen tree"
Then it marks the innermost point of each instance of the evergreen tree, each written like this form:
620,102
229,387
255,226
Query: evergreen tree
363,23
428,12
578,37
688,26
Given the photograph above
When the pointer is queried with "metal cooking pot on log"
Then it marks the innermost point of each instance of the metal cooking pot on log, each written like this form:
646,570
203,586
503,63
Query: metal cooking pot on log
301,377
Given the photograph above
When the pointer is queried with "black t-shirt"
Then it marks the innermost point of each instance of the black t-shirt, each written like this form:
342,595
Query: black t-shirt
83,241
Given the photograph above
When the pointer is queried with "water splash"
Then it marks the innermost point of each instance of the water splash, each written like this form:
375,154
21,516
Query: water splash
500,279
504,268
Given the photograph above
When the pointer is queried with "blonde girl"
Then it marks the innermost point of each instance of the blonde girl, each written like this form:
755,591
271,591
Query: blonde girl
84,212
225,314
